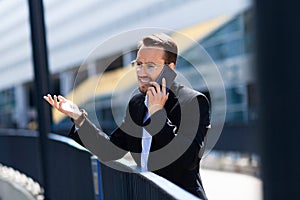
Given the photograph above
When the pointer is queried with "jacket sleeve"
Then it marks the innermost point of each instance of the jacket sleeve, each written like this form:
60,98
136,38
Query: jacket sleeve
105,147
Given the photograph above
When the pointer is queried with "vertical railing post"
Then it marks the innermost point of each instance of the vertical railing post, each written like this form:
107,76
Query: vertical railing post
278,41
42,87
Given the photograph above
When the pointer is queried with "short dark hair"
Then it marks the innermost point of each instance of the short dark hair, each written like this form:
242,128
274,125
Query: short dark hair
164,41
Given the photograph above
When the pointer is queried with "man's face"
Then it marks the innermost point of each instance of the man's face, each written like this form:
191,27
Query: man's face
153,56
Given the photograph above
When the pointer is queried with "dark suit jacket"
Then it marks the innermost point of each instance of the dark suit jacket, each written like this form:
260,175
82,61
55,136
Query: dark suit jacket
177,131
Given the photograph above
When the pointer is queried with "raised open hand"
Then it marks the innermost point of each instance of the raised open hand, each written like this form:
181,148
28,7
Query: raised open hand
64,105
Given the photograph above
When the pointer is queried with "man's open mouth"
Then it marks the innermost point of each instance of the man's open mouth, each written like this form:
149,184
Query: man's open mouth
144,79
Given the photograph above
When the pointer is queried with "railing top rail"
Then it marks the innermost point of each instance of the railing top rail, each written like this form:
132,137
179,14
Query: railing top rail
168,187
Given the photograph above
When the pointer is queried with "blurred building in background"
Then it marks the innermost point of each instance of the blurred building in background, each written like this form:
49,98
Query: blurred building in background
74,28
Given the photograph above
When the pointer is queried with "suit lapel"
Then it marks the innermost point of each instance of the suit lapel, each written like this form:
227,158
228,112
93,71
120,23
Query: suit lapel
173,99
138,110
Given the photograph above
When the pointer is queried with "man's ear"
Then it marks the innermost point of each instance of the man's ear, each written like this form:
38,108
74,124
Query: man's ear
172,66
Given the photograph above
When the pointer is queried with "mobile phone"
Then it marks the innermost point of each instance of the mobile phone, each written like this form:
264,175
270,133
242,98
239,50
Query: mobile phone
168,74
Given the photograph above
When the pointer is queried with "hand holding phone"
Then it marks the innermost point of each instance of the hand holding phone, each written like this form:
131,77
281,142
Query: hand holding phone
157,95
167,73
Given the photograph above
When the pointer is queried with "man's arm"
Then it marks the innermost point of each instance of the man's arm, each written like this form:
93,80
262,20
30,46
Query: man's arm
88,135
105,147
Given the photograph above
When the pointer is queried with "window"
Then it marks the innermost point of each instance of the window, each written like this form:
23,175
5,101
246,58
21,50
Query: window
237,109
7,104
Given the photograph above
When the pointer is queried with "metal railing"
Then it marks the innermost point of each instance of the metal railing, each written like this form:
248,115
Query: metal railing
72,174
134,184
69,174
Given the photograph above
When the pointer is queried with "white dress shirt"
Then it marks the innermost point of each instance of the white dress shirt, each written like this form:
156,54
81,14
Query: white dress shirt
146,142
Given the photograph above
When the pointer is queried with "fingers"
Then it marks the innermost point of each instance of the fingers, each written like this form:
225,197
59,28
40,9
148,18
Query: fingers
62,99
166,97
151,92
49,99
157,86
164,86
156,93
56,101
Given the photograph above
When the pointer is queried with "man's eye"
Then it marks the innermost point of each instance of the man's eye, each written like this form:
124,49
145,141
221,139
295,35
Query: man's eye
151,66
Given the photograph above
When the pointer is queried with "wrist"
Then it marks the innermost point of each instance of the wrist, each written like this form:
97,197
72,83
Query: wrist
81,118
154,108
76,115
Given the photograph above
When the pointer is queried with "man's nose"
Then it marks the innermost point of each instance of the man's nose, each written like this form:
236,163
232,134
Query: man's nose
143,71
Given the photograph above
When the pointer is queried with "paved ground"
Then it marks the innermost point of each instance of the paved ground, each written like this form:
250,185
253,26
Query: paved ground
231,186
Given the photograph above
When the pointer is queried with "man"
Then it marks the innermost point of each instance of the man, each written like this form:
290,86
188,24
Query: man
164,128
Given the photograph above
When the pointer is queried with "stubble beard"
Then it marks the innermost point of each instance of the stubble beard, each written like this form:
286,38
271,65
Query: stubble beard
143,89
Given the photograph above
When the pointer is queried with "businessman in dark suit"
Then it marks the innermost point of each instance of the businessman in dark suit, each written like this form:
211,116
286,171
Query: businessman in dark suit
164,127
